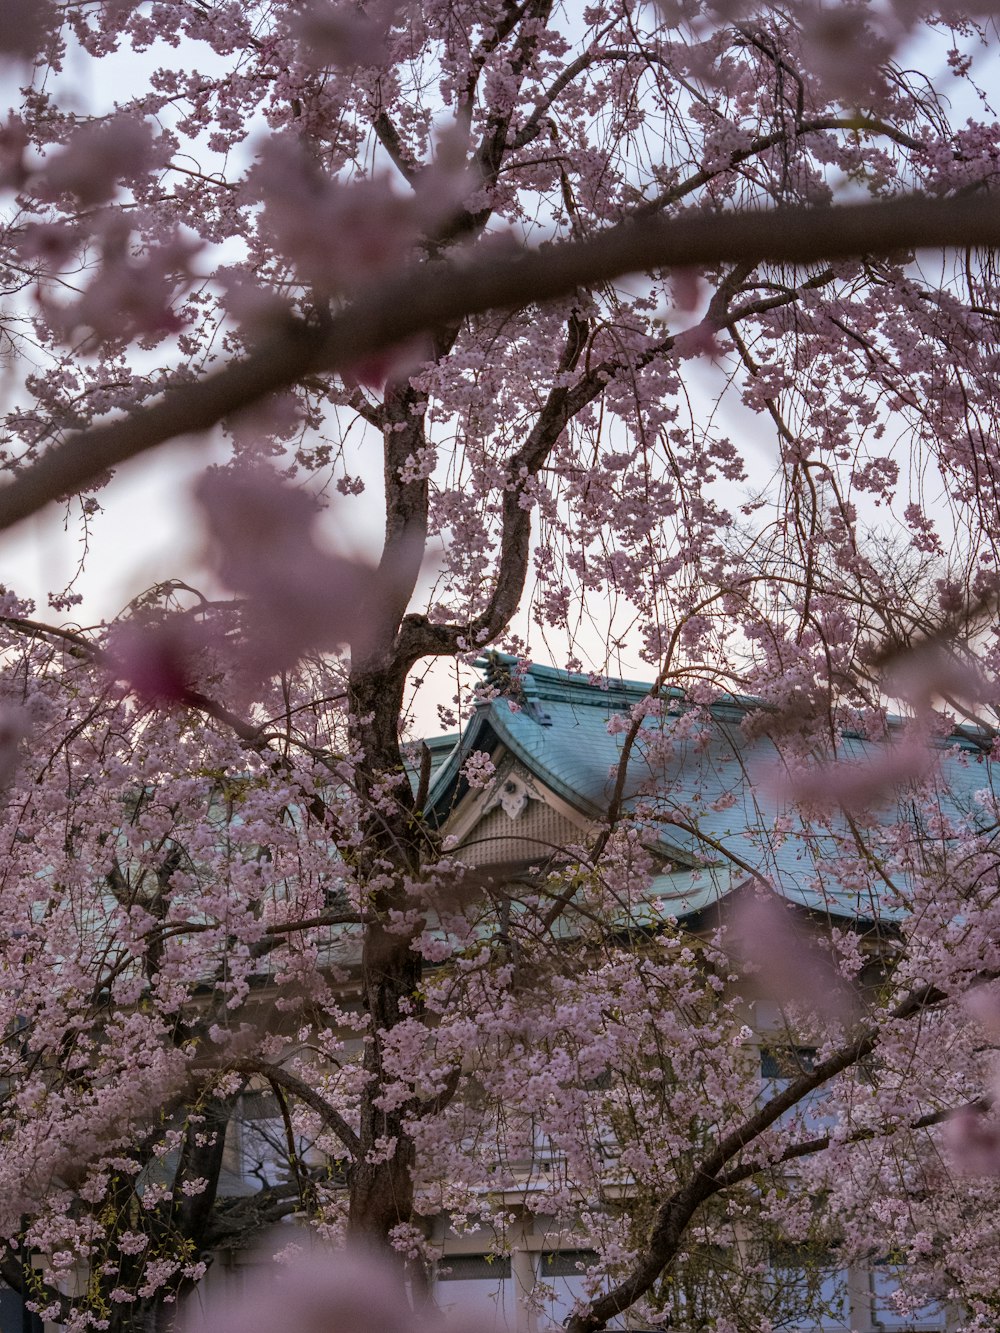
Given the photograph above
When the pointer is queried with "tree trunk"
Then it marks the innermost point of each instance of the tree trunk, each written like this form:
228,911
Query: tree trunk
381,1180
381,1192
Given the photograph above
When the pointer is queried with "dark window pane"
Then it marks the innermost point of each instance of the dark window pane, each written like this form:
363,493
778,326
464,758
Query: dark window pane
566,1263
463,1267
11,1310
786,1061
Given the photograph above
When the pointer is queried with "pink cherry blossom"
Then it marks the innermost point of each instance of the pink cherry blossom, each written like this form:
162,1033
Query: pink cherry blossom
13,730
780,960
855,784
13,142
241,903
932,671
336,235
129,296
972,1140
96,158
334,33
300,597
478,770
159,659
323,1291
24,27
983,1003
395,363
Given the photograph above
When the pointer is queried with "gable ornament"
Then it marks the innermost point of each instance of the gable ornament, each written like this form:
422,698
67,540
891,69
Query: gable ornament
512,791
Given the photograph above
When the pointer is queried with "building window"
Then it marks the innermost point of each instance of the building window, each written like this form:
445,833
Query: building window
566,1263
563,1273
477,1289
810,1289
889,1312
786,1062
781,1066
474,1267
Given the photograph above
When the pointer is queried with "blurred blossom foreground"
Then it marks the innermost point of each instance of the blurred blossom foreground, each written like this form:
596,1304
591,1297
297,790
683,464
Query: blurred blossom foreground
323,1291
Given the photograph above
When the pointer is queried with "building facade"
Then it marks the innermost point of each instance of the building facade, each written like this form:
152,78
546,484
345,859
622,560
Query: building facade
546,750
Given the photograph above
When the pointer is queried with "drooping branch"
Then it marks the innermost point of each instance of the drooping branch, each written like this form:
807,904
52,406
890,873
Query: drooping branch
329,1115
418,637
428,296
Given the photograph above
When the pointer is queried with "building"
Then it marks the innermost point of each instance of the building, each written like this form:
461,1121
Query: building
699,787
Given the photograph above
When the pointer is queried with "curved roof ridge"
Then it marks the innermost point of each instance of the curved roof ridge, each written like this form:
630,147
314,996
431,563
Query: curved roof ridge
535,682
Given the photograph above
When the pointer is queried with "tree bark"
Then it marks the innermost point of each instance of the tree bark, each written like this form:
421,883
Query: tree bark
381,1180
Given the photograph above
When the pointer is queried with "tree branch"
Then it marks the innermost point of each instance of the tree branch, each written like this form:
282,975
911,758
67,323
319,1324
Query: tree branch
707,1179
331,1117
423,297
416,632
388,137
808,1147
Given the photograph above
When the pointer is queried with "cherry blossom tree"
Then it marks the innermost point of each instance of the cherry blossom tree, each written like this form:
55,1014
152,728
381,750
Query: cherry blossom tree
547,262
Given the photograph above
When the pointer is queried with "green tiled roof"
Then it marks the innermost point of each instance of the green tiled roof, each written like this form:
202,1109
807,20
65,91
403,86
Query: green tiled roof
710,808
